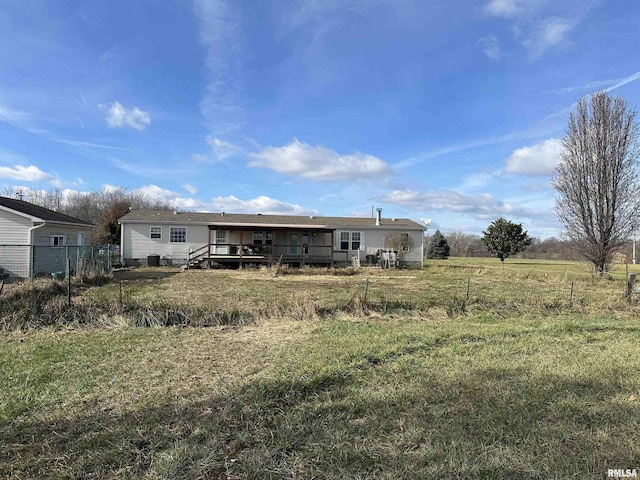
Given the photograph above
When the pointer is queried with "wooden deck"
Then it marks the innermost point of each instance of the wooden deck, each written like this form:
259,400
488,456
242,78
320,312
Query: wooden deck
248,259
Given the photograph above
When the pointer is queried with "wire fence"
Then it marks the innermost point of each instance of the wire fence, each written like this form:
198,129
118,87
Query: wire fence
31,261
331,293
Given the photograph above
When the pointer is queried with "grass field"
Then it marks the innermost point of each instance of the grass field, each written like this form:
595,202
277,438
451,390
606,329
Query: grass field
521,391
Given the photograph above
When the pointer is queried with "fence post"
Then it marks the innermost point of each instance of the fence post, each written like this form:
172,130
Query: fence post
571,296
468,287
366,290
631,282
68,280
121,307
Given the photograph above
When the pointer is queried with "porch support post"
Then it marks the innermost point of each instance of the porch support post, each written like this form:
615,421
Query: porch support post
241,246
301,242
273,246
332,232
210,242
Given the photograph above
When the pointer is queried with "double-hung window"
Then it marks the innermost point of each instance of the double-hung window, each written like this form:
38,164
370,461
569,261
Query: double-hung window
351,240
178,235
344,240
156,233
355,240
404,242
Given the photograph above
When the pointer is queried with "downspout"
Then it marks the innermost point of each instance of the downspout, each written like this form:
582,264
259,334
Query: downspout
31,247
121,244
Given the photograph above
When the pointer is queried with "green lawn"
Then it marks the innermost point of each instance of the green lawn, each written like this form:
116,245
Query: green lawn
464,369
413,395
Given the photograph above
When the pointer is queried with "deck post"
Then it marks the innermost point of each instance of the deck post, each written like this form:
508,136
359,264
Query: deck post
241,246
209,249
301,242
332,246
273,244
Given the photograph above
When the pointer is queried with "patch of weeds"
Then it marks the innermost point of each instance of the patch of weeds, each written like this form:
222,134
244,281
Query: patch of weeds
457,307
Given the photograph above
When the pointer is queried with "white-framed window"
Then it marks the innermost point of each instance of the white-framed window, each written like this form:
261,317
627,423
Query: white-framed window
58,240
355,240
262,238
155,233
351,241
178,234
404,242
221,236
344,240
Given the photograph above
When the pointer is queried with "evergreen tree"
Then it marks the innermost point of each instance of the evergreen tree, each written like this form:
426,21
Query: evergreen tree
504,238
438,246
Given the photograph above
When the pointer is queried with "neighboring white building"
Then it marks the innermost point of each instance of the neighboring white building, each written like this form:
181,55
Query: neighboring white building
24,226
224,238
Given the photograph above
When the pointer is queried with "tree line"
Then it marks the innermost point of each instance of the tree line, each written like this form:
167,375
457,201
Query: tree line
468,245
103,207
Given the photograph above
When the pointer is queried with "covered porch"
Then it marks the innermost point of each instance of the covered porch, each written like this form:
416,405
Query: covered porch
243,245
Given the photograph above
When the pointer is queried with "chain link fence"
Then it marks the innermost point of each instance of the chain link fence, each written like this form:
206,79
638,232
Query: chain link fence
31,261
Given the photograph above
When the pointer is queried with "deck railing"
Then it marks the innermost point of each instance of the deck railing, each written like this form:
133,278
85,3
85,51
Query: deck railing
260,253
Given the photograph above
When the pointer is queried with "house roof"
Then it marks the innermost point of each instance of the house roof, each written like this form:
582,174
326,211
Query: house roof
246,220
38,213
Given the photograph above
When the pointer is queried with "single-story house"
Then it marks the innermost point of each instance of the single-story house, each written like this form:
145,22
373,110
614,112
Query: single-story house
25,226
240,239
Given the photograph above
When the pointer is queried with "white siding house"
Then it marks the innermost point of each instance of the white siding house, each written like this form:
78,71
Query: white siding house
185,237
25,226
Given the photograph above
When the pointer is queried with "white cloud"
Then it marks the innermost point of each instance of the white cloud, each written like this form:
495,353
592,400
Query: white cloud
490,47
319,163
546,34
505,8
190,188
535,160
118,116
482,206
540,25
12,117
221,35
26,174
261,204
154,192
221,149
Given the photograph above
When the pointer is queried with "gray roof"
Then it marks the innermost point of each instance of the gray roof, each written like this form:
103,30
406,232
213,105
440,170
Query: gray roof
242,219
39,212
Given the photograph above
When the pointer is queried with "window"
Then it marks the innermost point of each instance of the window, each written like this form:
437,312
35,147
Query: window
178,234
344,240
262,238
221,236
351,240
156,233
58,240
404,242
355,240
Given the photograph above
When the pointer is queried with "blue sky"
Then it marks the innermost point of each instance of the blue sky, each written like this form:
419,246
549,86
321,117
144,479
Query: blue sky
451,111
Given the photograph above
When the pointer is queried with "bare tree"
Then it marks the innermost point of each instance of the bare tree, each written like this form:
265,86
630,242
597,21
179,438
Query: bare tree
597,180
100,207
401,243
460,243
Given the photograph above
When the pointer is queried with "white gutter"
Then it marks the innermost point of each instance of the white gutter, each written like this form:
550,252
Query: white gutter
31,243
